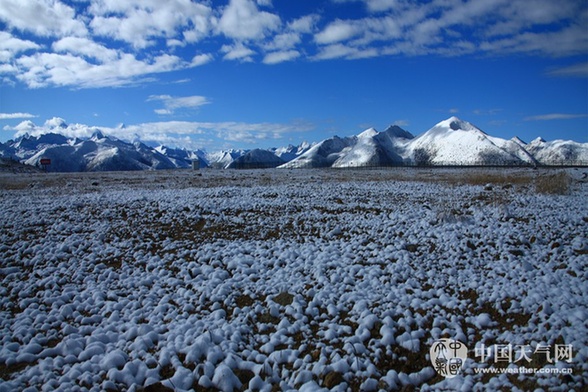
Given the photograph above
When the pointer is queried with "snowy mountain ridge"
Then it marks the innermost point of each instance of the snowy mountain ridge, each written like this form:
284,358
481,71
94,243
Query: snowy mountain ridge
452,142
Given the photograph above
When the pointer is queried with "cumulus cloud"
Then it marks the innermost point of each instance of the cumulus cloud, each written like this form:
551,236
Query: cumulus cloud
81,62
237,51
243,20
284,41
337,31
56,69
53,125
171,104
86,48
110,43
171,133
201,59
42,17
10,46
304,24
141,23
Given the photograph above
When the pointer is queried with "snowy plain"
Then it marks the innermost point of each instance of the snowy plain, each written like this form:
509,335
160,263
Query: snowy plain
290,279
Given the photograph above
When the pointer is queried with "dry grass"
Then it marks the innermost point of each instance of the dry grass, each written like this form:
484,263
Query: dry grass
552,183
558,183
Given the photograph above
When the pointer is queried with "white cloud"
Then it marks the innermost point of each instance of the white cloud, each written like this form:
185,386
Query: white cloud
171,104
10,46
86,48
53,69
42,17
555,116
171,133
304,24
570,41
361,32
456,28
515,16
242,20
337,31
401,123
237,52
12,116
253,132
345,51
576,70
201,59
382,5
376,5
110,43
284,41
280,57
53,125
486,112
141,23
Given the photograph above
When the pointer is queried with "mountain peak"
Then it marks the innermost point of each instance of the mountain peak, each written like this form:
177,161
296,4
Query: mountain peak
457,124
396,131
519,141
370,132
538,140
97,135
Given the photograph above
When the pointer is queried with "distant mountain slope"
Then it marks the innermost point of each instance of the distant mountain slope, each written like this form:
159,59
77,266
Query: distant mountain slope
323,154
457,142
99,153
183,158
374,148
291,152
256,159
222,159
450,142
13,166
558,152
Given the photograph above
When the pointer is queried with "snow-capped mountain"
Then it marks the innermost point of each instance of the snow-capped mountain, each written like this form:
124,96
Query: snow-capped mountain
26,146
222,159
458,142
557,152
98,153
450,142
256,159
369,148
291,152
375,148
323,154
183,158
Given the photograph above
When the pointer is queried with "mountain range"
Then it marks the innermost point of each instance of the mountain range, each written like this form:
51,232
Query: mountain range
451,142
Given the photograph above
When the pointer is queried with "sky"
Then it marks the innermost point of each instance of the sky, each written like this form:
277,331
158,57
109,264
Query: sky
267,73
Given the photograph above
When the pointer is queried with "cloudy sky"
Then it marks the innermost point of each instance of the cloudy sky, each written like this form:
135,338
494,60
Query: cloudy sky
267,73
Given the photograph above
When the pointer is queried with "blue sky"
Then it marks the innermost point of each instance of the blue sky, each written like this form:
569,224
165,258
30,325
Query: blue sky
267,73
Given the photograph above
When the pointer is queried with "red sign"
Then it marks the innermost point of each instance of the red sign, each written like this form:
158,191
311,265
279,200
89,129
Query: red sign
45,161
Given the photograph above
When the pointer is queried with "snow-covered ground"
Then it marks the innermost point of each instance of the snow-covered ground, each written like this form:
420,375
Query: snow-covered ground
292,279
